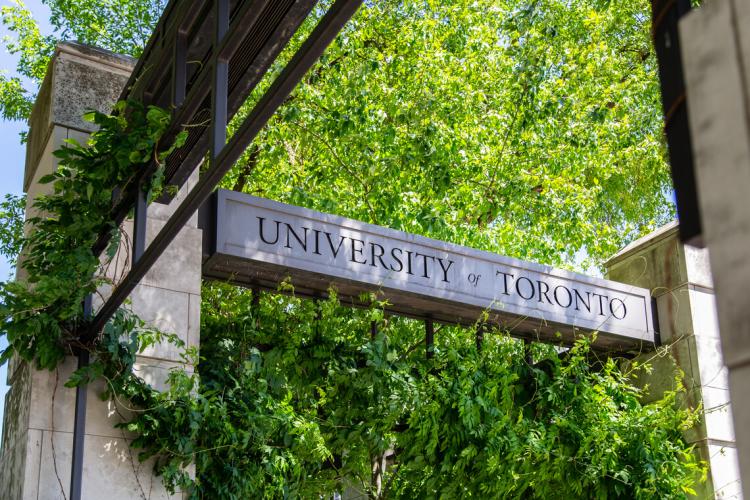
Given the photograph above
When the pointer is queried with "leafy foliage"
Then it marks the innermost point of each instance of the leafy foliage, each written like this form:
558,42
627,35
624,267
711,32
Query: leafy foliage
42,312
503,422
122,26
495,426
528,128
11,226
34,51
297,399
532,129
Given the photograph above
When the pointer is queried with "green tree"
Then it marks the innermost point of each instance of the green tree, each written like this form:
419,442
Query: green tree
122,26
532,129
12,210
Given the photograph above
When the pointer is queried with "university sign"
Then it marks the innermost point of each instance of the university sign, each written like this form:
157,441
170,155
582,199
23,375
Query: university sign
260,242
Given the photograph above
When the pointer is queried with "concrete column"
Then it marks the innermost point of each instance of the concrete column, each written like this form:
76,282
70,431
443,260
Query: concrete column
37,431
679,278
716,56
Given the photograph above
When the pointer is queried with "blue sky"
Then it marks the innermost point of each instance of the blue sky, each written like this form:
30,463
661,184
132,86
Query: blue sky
14,154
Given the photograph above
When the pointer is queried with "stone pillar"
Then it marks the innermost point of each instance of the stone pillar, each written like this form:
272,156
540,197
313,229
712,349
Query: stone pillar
37,431
715,41
679,277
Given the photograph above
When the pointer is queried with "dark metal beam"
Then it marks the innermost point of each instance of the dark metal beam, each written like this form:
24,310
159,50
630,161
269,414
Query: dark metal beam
247,16
220,87
179,70
665,15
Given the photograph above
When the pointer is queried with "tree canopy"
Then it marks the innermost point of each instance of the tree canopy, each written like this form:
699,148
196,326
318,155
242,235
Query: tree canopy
528,128
532,129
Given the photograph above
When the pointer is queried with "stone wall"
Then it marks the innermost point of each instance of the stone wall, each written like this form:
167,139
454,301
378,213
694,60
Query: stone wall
38,429
679,277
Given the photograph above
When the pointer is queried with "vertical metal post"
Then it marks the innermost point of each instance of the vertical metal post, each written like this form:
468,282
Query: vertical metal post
220,92
79,420
527,352
179,69
665,17
140,218
480,336
256,307
429,337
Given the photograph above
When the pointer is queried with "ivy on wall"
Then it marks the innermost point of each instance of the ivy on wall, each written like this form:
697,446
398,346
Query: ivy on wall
296,398
43,311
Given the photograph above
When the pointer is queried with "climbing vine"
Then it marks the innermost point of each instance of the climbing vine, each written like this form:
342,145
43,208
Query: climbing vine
43,311
298,398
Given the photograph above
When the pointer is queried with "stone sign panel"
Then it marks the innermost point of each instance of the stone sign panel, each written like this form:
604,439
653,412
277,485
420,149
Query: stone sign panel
261,242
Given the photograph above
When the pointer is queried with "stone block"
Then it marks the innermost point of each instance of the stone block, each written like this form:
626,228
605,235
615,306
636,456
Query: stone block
102,416
46,164
161,211
155,371
674,314
13,364
654,262
32,469
724,472
167,310
111,468
116,269
46,387
660,380
717,414
697,266
78,136
712,372
178,268
697,434
55,464
78,79
686,358
17,409
19,467
704,318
